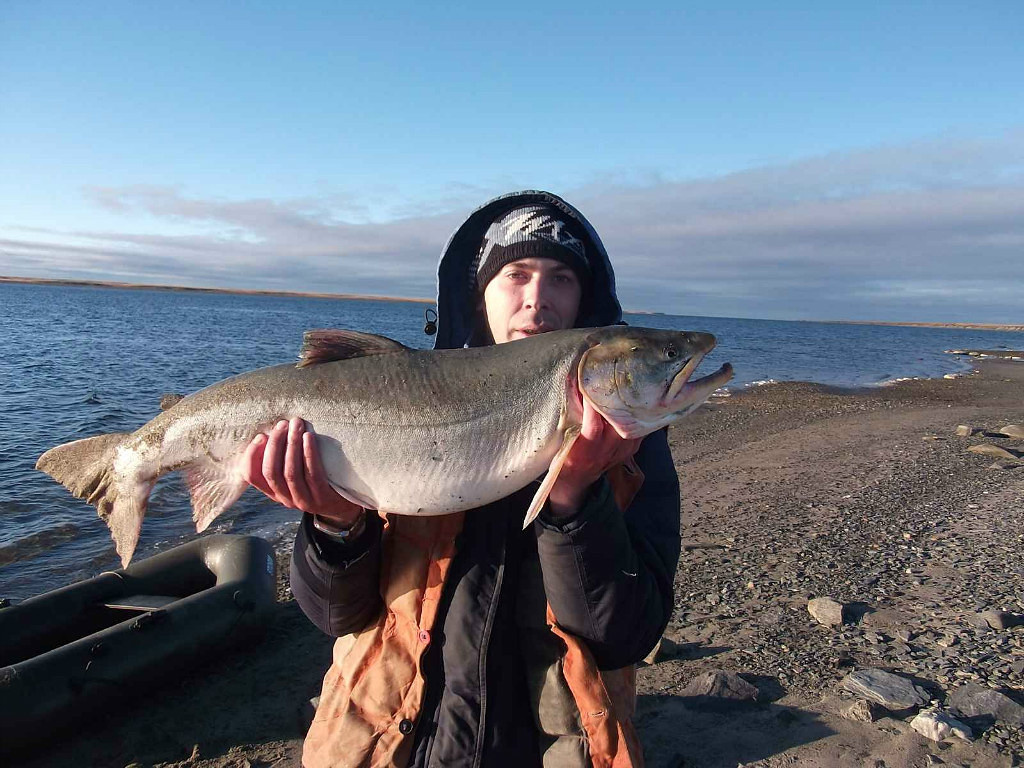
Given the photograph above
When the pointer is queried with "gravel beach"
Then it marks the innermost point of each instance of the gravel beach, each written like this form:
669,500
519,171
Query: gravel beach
791,492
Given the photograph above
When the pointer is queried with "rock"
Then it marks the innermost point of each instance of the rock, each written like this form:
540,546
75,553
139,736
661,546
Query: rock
719,684
863,711
1000,619
1002,464
964,430
937,726
1013,430
995,451
891,691
972,700
826,611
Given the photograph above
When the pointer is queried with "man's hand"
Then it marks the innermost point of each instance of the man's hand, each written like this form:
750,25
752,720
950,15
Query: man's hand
597,449
286,466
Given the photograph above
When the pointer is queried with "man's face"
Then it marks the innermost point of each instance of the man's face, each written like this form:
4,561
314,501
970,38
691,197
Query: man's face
531,296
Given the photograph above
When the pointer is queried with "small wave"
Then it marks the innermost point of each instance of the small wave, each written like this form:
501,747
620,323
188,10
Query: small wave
762,382
890,382
36,543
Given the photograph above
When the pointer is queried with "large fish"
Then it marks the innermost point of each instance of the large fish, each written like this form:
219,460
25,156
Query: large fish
406,431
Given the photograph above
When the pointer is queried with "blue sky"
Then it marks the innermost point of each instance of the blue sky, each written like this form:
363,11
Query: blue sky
783,160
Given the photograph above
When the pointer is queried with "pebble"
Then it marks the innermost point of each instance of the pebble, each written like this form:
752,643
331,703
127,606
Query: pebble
1003,464
719,684
891,691
972,700
826,611
863,711
1001,619
938,726
990,449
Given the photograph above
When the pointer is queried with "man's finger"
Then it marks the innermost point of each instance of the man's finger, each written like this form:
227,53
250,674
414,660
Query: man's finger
324,496
318,487
273,463
593,423
329,503
252,465
295,466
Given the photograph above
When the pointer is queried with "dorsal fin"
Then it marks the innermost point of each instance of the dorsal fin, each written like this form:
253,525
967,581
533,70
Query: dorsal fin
323,346
170,400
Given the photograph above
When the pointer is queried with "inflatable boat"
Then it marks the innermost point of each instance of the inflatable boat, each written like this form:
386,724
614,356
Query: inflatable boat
67,652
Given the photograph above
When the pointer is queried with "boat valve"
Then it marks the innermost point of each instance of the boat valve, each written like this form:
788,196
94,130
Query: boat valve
148,619
242,600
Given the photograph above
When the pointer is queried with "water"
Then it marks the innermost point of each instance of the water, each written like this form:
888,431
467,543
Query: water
78,361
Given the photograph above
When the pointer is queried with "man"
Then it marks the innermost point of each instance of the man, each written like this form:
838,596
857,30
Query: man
463,640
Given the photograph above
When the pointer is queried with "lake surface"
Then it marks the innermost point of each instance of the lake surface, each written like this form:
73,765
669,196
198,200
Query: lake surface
79,361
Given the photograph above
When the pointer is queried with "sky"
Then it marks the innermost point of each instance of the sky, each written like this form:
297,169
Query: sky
784,160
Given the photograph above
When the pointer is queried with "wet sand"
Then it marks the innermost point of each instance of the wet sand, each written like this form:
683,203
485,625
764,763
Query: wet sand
790,491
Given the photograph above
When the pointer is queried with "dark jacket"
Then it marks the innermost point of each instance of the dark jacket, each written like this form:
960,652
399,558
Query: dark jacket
607,575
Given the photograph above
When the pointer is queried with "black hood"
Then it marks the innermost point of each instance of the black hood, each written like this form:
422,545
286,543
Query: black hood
456,299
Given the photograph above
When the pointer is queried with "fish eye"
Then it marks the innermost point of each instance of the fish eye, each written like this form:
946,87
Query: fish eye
671,352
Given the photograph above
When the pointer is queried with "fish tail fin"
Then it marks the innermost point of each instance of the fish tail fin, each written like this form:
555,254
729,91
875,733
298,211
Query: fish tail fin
214,486
86,468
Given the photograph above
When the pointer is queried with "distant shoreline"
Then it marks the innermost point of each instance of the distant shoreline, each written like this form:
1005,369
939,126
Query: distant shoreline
969,326
190,289
373,297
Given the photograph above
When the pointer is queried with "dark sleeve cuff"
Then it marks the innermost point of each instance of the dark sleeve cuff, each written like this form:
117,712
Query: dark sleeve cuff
337,585
342,554
597,502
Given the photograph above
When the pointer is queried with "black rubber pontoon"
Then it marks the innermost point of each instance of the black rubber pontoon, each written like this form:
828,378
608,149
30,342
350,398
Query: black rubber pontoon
66,652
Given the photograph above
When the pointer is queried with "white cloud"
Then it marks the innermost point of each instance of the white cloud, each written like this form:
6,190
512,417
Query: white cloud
927,231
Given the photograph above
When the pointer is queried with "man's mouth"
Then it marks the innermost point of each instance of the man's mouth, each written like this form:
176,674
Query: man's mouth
533,330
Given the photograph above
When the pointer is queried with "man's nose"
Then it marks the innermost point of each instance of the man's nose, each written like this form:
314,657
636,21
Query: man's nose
536,294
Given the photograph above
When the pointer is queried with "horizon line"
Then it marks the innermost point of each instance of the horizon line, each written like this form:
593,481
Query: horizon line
416,300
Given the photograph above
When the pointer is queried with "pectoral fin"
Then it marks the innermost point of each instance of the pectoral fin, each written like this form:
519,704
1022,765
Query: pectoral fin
571,435
355,498
213,486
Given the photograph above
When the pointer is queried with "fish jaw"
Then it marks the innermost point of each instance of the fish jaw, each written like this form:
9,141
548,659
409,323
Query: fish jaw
639,379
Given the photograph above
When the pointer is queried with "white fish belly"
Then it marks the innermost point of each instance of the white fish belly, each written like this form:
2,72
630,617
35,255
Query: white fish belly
438,470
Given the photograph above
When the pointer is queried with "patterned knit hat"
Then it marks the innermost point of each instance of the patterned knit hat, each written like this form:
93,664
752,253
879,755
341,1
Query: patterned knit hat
533,231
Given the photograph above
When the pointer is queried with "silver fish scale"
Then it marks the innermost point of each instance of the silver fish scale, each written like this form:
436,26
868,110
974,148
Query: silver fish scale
398,432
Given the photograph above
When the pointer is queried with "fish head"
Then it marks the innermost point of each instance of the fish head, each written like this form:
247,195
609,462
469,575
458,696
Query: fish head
639,379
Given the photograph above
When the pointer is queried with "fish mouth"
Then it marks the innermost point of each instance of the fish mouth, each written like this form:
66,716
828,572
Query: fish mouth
682,391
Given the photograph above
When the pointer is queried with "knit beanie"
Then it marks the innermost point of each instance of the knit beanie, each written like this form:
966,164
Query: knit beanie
532,231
